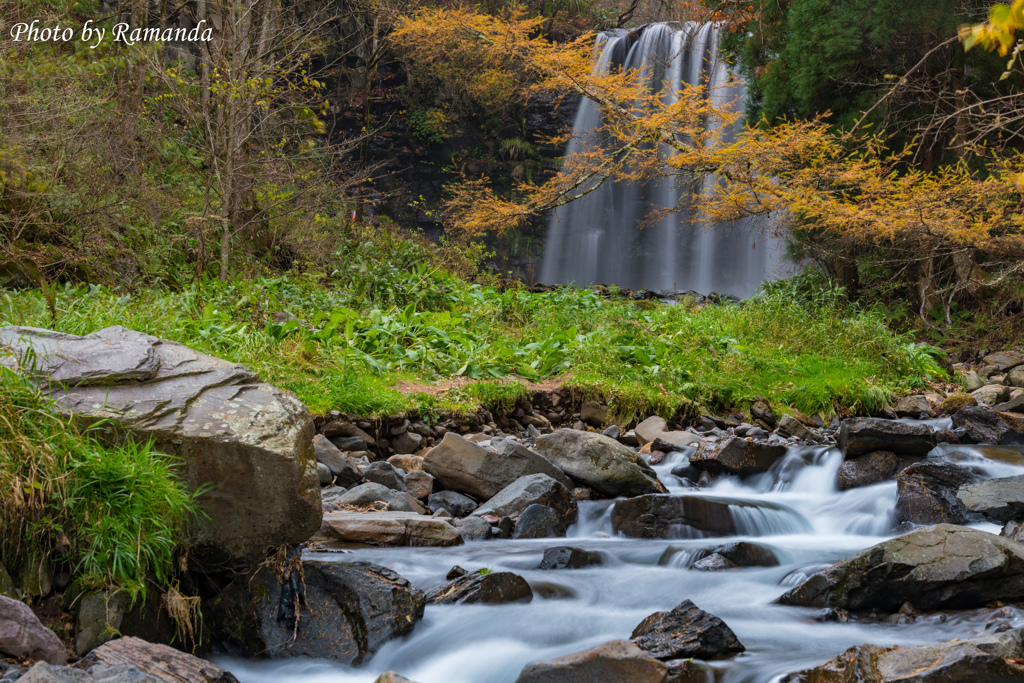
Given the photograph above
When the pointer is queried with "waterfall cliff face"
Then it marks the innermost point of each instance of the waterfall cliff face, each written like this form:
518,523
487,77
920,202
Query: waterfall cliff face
603,238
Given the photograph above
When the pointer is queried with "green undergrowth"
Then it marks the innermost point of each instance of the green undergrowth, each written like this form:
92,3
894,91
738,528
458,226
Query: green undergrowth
113,512
362,340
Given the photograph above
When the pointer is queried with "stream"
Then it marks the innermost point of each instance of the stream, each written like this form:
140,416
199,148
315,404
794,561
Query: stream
807,523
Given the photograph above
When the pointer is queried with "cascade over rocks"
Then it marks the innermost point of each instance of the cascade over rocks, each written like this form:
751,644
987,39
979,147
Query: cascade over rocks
999,500
493,588
250,441
616,661
533,489
600,462
685,632
994,658
864,435
927,493
346,611
737,455
463,466
937,567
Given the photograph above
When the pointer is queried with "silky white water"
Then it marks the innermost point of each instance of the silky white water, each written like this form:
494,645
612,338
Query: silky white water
598,239
809,526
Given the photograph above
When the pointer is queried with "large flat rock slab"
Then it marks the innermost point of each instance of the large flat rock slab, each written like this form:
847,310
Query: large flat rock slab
248,442
387,529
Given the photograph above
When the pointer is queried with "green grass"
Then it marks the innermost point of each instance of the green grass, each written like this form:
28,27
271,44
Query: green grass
114,512
358,333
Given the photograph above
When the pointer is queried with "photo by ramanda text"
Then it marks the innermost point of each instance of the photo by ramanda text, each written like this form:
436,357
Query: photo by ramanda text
167,35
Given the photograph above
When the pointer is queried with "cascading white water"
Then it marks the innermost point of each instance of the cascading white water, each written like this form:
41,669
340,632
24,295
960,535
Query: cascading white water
597,239
795,510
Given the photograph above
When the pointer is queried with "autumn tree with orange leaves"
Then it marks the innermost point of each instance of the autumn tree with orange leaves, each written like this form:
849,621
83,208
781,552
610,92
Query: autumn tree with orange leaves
847,198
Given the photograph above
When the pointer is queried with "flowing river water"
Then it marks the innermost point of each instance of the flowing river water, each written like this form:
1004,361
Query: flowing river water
795,510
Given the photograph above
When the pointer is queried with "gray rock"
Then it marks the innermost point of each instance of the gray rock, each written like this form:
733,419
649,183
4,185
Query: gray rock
871,468
492,588
989,658
937,567
926,493
349,443
473,529
419,484
761,410
617,661
736,455
745,554
789,426
983,425
387,529
1004,360
529,490
44,673
713,563
613,432
667,516
539,521
407,442
385,474
340,465
511,448
1015,378
972,382
455,503
23,636
1000,500
323,473
567,557
132,660
600,463
654,427
1014,405
864,435
337,428
350,609
460,465
251,440
914,406
594,414
686,632
1013,530
369,493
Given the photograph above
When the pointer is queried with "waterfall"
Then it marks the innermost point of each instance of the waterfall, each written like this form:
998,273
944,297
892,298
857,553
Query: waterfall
598,239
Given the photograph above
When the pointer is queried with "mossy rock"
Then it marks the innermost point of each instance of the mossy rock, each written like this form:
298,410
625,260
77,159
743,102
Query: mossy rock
957,401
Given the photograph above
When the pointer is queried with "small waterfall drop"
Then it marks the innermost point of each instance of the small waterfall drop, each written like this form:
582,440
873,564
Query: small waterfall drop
599,239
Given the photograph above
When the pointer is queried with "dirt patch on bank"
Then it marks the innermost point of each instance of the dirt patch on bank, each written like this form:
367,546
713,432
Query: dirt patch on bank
446,385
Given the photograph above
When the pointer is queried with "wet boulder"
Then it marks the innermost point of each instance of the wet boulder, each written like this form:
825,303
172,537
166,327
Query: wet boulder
539,521
745,554
392,677
937,567
533,489
868,469
473,529
685,632
737,455
567,557
370,493
455,503
344,611
983,425
463,466
387,529
926,493
713,563
492,588
864,435
999,500
1013,530
341,467
989,658
23,636
599,462
248,443
616,661
682,516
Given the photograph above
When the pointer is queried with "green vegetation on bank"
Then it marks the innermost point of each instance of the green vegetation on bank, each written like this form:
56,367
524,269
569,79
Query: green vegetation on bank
114,513
395,313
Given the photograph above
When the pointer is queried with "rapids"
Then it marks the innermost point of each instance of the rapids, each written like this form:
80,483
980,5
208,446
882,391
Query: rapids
794,509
